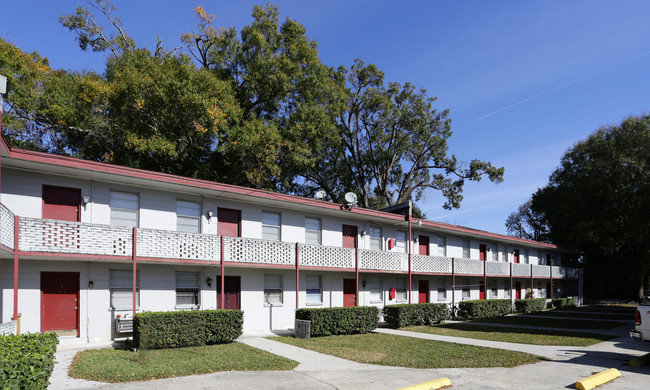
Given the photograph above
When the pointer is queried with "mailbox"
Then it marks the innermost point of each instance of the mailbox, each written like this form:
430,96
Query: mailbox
391,293
391,243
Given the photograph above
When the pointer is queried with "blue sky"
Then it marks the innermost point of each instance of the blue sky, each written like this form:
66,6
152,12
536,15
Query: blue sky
523,80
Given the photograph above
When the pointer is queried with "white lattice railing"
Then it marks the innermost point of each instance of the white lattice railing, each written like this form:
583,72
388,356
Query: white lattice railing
541,271
6,227
496,268
178,245
248,250
48,235
380,260
326,256
468,267
436,264
559,272
519,269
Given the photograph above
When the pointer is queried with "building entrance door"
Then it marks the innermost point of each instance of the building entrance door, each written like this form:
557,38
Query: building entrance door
60,303
349,236
228,222
349,292
61,203
518,290
423,245
423,291
232,292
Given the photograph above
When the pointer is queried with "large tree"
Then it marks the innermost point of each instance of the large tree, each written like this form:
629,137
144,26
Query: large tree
392,146
598,202
528,224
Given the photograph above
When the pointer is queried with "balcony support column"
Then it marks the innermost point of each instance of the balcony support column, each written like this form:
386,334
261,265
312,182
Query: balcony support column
16,250
356,272
223,274
410,271
453,287
485,296
135,271
566,282
511,294
298,275
551,270
532,289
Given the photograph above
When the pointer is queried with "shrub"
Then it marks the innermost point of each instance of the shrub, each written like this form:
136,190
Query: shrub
340,320
563,303
27,360
484,308
176,329
530,305
399,316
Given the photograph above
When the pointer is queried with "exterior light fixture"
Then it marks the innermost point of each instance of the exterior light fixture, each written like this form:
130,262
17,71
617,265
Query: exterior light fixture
90,285
208,281
85,199
210,214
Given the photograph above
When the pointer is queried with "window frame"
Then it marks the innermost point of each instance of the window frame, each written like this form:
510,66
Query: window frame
377,240
112,288
442,246
196,218
401,290
319,231
442,289
400,245
318,302
123,209
466,289
185,289
379,297
467,251
267,290
266,226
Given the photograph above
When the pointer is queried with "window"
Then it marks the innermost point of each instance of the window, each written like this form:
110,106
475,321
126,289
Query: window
187,288
400,241
121,289
494,291
495,253
124,209
540,258
314,289
187,216
504,255
271,226
466,294
273,289
466,249
400,289
375,238
506,290
313,231
374,286
442,246
442,290
526,257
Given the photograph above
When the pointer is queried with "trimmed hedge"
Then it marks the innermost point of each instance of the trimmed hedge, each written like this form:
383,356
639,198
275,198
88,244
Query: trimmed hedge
27,360
484,308
176,329
340,320
399,316
563,303
530,305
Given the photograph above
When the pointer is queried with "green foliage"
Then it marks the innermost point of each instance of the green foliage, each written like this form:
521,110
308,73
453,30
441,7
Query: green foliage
530,305
597,202
484,308
176,329
340,320
563,303
27,360
528,224
399,316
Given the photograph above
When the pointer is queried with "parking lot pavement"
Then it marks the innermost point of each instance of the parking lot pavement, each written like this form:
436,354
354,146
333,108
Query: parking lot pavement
318,371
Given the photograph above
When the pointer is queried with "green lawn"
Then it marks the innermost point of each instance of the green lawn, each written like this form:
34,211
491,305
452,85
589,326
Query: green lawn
512,335
619,308
601,316
400,351
551,322
112,365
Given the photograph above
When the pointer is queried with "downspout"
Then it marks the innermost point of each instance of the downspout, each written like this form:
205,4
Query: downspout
410,268
453,287
135,271
298,275
16,250
223,274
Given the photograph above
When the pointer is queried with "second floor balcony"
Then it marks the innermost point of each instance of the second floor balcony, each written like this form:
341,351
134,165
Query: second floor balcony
42,238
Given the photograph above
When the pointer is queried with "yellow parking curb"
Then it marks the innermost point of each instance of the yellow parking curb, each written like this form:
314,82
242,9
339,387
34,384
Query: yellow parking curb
641,361
435,384
598,379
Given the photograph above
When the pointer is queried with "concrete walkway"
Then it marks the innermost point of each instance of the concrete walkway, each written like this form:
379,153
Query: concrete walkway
319,371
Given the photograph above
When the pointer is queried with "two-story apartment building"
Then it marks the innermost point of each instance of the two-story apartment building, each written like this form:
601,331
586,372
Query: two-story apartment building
82,243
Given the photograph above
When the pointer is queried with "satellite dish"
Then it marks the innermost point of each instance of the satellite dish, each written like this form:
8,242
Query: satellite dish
320,194
351,198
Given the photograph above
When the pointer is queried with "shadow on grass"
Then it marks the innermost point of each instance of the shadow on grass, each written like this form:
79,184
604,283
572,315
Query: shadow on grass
504,329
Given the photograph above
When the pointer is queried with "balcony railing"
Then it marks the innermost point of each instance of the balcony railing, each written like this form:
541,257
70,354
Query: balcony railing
77,238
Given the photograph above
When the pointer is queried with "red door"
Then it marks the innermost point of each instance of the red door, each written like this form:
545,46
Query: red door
424,245
61,203
518,290
349,236
482,252
423,291
548,259
232,291
229,222
349,292
516,257
549,292
482,290
60,302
